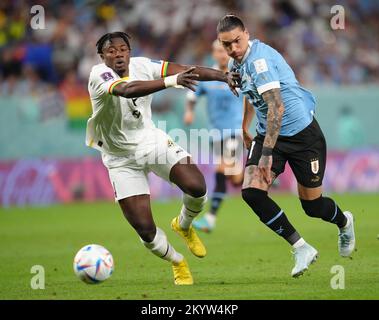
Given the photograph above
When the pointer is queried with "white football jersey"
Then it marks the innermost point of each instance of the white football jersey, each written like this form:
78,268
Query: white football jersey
118,124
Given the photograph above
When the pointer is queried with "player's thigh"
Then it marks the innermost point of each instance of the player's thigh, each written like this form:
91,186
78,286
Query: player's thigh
188,178
308,162
253,177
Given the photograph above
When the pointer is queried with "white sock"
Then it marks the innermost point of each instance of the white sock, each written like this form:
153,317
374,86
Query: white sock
347,222
191,208
211,218
162,248
298,243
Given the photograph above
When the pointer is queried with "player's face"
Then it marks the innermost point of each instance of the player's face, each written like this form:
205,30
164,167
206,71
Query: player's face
116,55
220,55
235,42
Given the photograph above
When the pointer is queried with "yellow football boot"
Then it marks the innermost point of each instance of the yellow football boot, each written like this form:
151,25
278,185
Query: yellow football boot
182,273
190,237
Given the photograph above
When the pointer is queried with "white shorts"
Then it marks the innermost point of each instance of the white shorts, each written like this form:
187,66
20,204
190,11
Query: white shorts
128,174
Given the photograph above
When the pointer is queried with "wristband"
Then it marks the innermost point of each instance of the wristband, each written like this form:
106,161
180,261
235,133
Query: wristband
266,151
171,81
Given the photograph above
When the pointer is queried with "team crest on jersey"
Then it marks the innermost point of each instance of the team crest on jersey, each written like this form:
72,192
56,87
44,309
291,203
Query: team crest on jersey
170,143
260,65
106,76
315,165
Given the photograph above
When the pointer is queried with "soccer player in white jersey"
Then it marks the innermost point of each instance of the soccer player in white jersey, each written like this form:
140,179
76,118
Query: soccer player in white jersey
121,128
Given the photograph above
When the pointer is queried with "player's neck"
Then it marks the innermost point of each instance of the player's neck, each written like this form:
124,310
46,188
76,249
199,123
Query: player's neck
124,74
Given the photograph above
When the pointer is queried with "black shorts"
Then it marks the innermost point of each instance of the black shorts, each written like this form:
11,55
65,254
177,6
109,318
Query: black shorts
305,153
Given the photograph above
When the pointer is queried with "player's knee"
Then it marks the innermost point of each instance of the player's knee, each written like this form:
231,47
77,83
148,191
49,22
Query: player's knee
313,208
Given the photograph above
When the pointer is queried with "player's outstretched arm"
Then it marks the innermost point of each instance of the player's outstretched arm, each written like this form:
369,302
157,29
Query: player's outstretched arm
208,74
134,89
275,112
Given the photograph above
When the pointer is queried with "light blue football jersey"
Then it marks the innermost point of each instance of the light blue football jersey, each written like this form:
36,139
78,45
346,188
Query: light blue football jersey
263,68
224,109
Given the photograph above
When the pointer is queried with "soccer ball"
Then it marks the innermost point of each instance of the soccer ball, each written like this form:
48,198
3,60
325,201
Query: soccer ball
93,264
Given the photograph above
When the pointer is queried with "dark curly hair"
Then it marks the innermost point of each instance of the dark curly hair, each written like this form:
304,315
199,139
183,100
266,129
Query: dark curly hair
109,36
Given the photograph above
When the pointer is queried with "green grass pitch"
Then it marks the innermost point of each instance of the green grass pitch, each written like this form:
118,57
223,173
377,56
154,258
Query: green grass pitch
245,259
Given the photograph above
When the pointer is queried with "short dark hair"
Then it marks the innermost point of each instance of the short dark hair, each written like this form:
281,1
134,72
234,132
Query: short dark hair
109,36
230,22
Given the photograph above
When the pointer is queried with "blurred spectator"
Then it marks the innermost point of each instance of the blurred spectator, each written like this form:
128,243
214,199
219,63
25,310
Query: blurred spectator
51,104
78,105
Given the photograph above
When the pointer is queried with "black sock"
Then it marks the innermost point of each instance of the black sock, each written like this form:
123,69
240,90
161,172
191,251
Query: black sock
326,209
219,192
270,214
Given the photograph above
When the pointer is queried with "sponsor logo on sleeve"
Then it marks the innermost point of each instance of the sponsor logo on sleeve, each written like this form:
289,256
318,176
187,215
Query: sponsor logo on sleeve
106,76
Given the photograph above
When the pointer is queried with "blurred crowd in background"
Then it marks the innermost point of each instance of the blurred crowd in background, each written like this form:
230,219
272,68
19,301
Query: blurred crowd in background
44,102
183,31
56,60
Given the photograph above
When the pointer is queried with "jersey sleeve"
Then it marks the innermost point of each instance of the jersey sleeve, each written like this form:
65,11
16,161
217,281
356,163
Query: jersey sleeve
265,74
158,68
103,79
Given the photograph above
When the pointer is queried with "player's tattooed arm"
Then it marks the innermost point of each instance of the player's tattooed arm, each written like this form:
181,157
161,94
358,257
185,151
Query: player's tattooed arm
274,122
274,116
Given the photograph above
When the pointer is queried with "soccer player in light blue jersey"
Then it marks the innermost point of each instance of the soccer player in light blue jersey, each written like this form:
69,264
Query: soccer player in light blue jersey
224,112
286,131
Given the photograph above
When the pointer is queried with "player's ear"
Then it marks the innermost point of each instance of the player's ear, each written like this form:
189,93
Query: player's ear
102,56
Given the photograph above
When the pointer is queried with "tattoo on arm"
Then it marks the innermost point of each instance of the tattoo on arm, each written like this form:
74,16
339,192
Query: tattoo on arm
274,116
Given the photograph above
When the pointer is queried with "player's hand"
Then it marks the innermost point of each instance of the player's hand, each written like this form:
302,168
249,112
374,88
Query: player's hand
264,165
247,139
234,81
188,79
188,117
